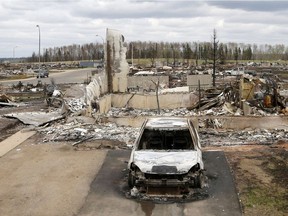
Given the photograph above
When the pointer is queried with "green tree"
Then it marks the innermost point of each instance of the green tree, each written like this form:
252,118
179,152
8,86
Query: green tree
247,53
46,56
236,55
205,52
221,54
187,52
152,53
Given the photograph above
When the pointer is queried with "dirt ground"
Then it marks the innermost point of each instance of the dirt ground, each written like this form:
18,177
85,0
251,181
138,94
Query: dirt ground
261,176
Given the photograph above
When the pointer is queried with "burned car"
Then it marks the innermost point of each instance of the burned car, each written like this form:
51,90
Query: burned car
167,153
42,73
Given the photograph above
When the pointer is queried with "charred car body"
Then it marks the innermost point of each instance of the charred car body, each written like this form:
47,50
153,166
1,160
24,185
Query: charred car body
167,153
42,73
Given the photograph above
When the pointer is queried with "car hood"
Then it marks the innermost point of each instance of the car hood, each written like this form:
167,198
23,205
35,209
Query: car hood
164,162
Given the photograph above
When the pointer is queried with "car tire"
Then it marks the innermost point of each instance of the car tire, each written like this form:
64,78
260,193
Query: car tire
200,180
131,180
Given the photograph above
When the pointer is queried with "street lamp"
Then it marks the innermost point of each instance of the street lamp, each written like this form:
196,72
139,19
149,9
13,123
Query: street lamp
132,54
101,38
39,50
102,41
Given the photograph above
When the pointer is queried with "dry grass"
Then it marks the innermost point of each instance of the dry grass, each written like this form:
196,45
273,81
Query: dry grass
261,179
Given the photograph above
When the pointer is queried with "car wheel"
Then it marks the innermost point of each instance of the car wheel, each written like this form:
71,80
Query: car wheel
200,180
131,180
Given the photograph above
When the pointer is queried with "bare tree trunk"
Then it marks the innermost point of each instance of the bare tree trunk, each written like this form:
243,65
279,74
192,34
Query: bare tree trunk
215,44
157,95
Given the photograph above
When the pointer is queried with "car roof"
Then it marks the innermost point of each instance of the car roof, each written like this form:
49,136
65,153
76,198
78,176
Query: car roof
166,123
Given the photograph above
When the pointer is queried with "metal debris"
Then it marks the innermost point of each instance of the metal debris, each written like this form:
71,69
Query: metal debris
78,131
75,131
76,104
122,112
36,118
6,101
214,111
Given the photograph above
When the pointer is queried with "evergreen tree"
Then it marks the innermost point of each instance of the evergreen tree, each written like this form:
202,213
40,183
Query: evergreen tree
236,55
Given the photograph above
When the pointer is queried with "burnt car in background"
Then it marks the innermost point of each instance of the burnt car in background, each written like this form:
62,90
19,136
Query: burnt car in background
42,73
167,153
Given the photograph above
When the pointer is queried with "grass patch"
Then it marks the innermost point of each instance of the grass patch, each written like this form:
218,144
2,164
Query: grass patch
16,77
261,180
258,196
262,198
265,201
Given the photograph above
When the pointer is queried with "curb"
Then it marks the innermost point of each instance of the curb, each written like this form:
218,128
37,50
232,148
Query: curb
13,141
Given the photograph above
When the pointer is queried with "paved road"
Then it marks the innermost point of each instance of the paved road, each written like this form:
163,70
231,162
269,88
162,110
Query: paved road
107,192
69,76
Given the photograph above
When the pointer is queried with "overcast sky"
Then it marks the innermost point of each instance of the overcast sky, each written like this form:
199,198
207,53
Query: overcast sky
65,22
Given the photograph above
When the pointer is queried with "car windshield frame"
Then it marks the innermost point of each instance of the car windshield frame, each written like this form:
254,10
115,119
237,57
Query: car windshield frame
166,139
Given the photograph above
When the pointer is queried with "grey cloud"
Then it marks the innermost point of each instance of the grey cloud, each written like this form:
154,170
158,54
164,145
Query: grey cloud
137,10
270,6
78,21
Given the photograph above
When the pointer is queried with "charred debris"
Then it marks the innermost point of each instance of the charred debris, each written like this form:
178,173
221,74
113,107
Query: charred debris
260,94
247,90
247,95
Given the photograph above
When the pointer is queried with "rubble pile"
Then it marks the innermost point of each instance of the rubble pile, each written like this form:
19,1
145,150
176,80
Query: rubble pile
248,95
75,131
5,100
10,70
29,87
214,111
9,73
230,137
76,104
122,112
80,131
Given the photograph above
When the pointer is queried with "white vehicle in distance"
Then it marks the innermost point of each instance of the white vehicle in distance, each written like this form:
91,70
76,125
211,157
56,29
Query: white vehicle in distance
42,73
167,153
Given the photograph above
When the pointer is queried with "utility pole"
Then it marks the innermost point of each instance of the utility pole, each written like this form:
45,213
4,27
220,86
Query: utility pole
132,53
39,51
103,57
14,52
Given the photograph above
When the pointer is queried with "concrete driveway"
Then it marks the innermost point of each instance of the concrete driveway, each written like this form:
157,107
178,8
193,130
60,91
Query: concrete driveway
107,192
46,179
